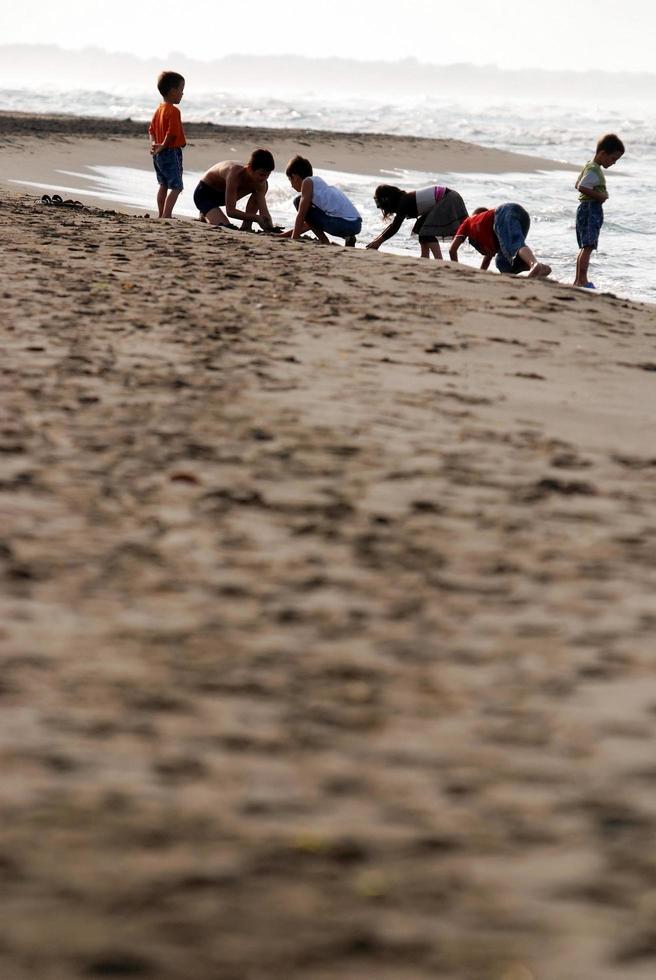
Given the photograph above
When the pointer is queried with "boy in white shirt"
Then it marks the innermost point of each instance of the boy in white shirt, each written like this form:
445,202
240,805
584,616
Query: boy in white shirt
321,207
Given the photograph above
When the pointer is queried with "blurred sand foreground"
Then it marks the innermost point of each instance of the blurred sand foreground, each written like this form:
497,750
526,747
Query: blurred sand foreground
327,619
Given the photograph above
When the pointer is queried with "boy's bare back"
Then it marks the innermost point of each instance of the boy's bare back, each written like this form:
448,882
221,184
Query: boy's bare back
218,176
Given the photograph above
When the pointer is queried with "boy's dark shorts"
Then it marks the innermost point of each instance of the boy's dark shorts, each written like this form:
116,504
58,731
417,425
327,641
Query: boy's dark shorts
589,219
168,167
328,223
207,198
511,225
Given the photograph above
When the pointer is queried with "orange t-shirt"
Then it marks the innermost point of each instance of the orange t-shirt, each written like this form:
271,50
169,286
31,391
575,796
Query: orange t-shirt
167,121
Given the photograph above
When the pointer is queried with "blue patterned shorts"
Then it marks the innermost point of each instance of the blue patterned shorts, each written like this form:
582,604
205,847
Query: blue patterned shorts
589,219
168,167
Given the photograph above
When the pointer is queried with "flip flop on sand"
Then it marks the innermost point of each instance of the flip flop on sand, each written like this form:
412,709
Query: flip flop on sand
58,202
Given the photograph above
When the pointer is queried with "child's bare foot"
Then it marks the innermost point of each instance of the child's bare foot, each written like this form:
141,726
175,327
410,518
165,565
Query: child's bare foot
350,241
539,271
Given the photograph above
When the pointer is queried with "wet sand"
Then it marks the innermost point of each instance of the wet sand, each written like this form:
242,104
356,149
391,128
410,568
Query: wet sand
327,619
38,148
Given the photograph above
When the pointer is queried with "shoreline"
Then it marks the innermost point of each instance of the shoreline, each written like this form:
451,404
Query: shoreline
77,142
470,156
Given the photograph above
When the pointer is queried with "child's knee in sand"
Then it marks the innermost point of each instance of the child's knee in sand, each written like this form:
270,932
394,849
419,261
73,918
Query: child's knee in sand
217,219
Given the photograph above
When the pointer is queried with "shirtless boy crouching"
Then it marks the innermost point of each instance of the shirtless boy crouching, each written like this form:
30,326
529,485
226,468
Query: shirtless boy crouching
227,182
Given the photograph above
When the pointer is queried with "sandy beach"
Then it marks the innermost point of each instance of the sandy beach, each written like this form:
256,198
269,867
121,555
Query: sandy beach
38,148
327,618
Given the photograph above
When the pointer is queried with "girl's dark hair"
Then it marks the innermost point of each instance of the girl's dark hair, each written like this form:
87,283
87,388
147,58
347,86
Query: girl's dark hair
388,198
262,160
300,166
168,80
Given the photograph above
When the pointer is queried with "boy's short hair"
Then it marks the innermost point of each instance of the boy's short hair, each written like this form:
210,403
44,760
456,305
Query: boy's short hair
610,143
300,166
168,80
262,160
479,211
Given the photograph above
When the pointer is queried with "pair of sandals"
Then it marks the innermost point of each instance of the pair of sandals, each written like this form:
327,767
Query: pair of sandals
59,202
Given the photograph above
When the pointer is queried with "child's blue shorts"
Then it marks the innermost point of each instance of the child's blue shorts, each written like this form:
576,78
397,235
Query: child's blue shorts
589,219
511,225
330,223
168,167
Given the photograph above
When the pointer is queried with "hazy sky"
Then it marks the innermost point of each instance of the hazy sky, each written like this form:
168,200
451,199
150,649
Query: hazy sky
605,34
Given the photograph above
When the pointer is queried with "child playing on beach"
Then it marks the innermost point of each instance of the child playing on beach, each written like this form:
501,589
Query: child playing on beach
591,185
439,212
321,207
167,139
227,182
500,234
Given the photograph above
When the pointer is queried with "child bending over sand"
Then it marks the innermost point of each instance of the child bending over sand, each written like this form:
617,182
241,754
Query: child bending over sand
439,212
167,139
321,207
228,182
500,234
591,185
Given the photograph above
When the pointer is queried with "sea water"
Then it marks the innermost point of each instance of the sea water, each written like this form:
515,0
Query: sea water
559,131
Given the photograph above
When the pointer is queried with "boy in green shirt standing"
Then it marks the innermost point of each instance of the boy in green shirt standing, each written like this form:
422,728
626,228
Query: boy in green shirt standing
591,185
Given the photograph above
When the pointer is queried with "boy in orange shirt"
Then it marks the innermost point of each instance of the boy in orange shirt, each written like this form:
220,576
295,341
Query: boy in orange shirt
167,139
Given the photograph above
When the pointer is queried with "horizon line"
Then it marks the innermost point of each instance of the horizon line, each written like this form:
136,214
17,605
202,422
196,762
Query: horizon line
409,60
